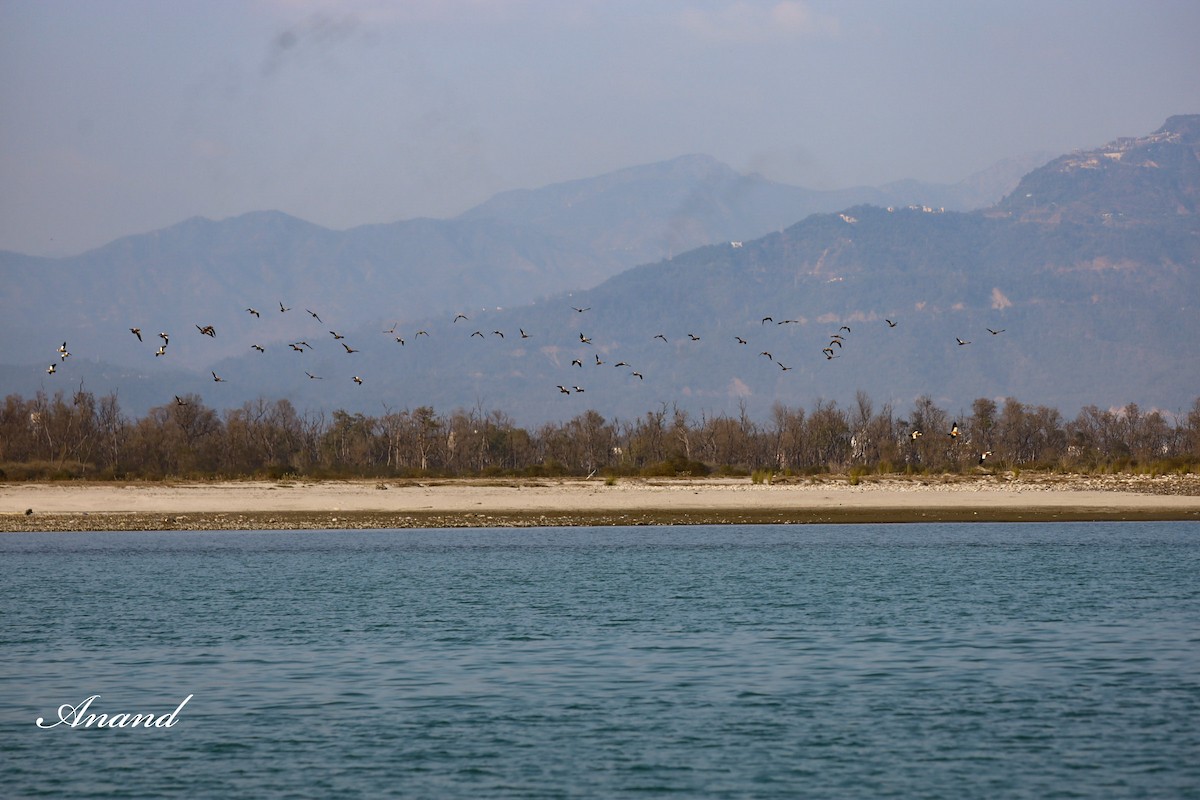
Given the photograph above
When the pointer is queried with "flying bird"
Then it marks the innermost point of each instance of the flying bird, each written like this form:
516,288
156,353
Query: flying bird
357,380
207,330
782,367
51,369
953,434
524,335
845,328
477,333
765,320
62,348
161,351
398,339
336,335
890,323
581,310
392,330
498,333
995,333
584,339
740,340
258,347
179,401
313,377
217,378
620,364
598,361
422,333
578,388
313,314
282,309
164,337
254,312
916,435
575,362
660,336
960,341
983,456
136,332
349,349
563,389
638,375
461,316
768,355
693,337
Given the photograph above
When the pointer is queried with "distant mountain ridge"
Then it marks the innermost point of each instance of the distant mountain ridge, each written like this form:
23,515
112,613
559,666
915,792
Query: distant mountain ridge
1092,300
1062,310
1132,180
706,201
513,249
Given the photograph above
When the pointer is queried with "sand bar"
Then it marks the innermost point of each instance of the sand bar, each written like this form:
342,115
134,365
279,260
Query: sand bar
303,504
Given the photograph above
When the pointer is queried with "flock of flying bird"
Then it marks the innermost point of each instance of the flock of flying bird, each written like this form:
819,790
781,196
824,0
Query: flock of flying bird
837,343
298,346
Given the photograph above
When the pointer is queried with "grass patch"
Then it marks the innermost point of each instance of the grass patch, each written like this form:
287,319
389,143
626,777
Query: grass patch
761,476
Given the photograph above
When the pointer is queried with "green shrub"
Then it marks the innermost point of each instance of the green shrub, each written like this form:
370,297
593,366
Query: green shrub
760,476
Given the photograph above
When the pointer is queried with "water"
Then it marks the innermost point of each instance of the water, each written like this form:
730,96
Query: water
736,662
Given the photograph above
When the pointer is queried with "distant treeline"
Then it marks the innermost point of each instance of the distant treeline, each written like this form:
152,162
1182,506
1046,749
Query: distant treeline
80,436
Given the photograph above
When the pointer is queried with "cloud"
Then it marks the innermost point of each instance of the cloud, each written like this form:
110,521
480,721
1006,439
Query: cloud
738,388
315,34
999,301
406,12
747,22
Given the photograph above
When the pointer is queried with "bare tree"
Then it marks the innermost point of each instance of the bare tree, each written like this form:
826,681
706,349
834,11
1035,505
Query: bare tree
789,434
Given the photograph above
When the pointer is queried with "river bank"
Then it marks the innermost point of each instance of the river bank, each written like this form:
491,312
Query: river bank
304,504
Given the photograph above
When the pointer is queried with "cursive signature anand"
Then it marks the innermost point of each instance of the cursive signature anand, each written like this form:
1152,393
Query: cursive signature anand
78,717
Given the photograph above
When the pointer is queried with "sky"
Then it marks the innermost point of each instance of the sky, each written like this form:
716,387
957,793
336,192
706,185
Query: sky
120,117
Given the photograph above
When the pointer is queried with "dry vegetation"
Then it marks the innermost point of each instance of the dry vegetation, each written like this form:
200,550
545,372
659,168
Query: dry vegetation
81,437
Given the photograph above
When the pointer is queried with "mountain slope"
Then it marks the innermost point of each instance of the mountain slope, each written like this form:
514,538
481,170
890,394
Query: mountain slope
1089,307
1086,312
513,249
1134,180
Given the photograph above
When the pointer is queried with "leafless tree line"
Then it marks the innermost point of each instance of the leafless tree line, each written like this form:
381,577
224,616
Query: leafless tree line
78,435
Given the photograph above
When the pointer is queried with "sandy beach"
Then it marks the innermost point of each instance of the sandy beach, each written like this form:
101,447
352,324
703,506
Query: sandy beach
302,504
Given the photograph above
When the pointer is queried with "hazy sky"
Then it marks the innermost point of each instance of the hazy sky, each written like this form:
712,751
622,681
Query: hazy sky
125,117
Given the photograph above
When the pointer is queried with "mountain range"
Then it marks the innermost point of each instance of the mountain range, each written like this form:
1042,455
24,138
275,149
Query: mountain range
1079,286
517,247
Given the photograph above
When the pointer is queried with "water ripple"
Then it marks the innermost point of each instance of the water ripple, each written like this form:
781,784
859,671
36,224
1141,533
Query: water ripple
764,661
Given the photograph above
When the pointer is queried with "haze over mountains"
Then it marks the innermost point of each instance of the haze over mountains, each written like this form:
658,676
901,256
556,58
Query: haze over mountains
1089,271
513,249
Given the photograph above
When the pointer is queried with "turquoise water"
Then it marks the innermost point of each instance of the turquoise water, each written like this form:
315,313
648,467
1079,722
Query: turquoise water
916,660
